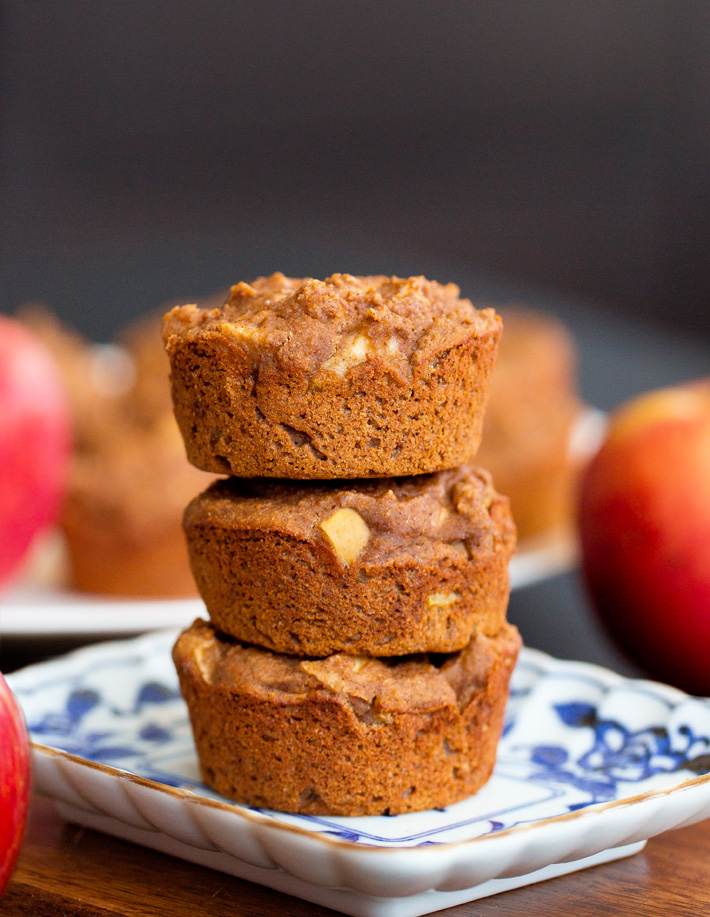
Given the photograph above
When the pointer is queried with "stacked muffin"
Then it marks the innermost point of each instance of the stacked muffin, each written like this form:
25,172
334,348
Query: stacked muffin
353,565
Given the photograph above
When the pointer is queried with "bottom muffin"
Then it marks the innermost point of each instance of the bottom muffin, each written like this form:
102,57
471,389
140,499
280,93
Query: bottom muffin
344,735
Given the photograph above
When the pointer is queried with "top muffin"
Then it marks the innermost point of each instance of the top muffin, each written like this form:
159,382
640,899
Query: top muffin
346,377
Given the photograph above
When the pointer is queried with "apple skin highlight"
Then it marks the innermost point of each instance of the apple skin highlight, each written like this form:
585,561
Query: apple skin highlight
14,781
644,524
35,442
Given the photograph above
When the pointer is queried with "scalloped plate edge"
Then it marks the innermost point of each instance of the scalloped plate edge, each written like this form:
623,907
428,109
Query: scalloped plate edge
347,901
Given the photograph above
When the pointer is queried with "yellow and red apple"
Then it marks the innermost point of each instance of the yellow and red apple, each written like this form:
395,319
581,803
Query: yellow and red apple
34,442
644,522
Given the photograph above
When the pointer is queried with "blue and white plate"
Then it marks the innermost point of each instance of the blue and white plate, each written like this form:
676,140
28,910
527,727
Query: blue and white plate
590,765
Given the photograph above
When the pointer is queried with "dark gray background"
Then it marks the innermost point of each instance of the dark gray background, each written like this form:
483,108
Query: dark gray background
154,149
552,151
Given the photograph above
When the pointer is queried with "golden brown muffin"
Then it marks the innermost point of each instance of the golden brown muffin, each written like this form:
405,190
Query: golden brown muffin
343,378
122,518
344,735
129,479
531,411
387,567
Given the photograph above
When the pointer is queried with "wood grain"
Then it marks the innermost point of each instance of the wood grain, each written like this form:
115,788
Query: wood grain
68,871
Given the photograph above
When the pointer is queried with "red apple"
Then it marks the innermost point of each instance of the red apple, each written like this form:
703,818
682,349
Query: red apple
644,521
14,781
34,441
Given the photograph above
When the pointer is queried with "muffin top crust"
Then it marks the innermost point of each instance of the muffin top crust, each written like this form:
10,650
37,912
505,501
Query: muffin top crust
323,328
373,687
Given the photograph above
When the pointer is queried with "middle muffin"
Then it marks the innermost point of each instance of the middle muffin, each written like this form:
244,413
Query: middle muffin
376,567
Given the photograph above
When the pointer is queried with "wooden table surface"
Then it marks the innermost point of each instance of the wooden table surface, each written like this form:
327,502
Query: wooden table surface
69,871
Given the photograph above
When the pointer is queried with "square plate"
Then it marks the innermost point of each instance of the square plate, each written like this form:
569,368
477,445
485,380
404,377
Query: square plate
590,765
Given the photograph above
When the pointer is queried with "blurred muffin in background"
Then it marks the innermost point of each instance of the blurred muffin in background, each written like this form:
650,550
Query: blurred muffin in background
531,413
130,480
96,376
123,515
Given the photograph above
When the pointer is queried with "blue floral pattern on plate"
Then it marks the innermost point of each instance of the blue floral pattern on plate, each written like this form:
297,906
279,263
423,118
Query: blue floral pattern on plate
575,736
